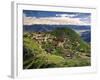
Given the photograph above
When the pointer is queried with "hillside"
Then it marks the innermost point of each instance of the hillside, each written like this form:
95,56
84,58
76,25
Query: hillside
61,47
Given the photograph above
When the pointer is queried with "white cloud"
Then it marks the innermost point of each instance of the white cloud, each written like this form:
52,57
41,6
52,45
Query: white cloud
66,15
54,20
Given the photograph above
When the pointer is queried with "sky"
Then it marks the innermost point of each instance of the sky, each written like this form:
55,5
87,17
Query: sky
31,17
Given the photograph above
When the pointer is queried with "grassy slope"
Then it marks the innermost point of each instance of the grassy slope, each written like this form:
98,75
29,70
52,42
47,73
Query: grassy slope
72,36
39,58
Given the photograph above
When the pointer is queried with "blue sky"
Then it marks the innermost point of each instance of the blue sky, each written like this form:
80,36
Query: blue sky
81,18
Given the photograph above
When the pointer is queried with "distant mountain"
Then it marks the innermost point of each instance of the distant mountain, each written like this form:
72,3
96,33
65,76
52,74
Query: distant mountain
86,36
43,28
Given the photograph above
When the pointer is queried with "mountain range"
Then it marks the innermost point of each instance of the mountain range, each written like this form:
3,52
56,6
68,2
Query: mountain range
86,35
